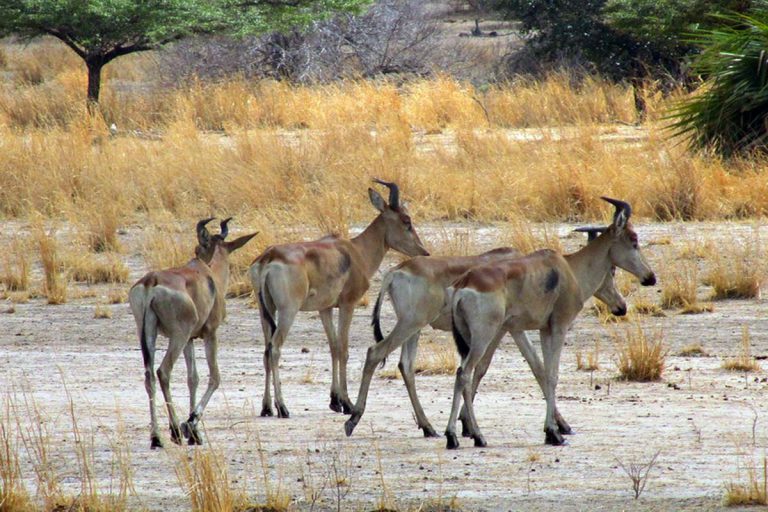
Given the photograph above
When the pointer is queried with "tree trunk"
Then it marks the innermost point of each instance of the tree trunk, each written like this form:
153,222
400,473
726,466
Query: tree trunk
94,83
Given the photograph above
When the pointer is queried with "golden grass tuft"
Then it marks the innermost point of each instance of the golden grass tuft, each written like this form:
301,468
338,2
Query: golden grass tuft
16,266
693,350
697,309
644,307
433,358
744,362
55,285
101,311
85,267
680,286
204,476
640,353
591,362
738,272
117,296
14,496
753,492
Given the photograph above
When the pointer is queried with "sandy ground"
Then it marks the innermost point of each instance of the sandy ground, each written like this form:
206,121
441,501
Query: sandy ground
706,422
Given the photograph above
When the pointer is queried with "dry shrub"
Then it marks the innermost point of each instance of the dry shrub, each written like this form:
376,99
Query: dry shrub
640,354
645,307
116,296
16,266
744,362
737,273
14,496
99,229
204,476
55,284
592,360
679,286
753,492
697,309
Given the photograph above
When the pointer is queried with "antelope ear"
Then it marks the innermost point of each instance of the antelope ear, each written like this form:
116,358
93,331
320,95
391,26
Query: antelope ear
376,200
620,220
239,242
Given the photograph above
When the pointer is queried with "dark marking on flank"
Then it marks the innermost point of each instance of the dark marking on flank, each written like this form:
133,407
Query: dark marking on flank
211,285
552,279
461,344
345,262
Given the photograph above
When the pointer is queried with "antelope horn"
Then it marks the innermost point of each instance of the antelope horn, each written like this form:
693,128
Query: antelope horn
592,233
224,229
394,193
203,237
621,206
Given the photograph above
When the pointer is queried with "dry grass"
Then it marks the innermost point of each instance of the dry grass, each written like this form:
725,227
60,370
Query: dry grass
102,311
680,284
738,272
640,353
117,296
591,362
645,307
744,362
14,496
16,266
693,350
433,358
88,268
753,492
203,474
55,284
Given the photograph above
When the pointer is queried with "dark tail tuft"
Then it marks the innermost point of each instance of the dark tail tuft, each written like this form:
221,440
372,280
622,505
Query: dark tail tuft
267,314
143,336
461,343
377,334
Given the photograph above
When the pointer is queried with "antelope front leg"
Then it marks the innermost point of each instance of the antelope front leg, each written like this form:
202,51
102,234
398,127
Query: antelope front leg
551,346
193,379
189,428
530,355
326,316
407,361
345,320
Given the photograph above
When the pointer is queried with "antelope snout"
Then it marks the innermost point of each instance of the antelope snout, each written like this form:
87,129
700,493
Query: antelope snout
649,281
620,310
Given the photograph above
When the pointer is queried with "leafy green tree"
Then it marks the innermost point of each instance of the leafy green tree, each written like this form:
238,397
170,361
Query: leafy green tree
730,113
99,31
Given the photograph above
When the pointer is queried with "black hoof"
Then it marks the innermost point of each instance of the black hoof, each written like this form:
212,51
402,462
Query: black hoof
155,443
350,424
192,434
452,442
282,412
553,438
347,407
335,404
266,410
480,442
176,435
566,431
429,431
465,432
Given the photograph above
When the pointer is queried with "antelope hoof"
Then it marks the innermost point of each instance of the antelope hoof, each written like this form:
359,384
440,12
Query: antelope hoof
429,431
554,438
480,442
155,442
192,434
452,442
350,424
266,410
465,430
282,411
347,407
566,430
175,434
335,404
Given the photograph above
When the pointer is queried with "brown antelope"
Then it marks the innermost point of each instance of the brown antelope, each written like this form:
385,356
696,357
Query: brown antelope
322,275
184,303
543,290
420,290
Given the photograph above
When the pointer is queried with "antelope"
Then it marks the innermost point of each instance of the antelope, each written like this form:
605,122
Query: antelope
184,303
420,290
543,290
321,275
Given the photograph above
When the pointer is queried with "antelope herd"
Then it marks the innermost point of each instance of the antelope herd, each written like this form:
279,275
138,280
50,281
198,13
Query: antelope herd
479,298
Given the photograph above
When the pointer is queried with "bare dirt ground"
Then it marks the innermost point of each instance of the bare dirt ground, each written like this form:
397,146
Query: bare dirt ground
705,421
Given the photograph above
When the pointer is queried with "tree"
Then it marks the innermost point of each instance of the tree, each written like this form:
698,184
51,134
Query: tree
99,31
730,113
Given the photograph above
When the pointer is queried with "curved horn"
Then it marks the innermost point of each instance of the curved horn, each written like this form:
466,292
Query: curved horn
224,229
394,193
203,236
592,233
621,206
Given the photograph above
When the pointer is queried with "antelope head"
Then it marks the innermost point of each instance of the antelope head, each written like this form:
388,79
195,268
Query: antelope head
207,244
400,234
625,250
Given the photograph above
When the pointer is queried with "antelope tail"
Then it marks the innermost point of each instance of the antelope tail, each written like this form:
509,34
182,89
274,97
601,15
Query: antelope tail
461,343
377,334
264,309
145,318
